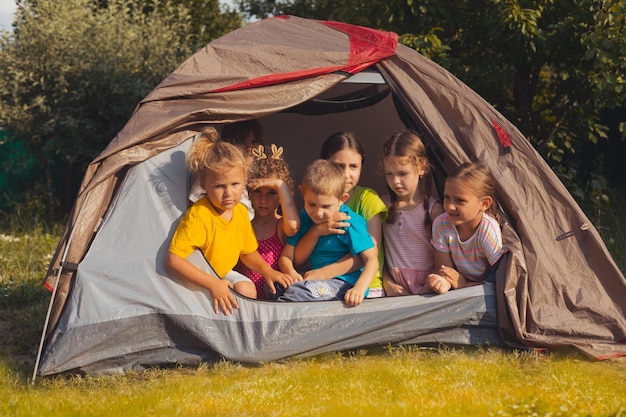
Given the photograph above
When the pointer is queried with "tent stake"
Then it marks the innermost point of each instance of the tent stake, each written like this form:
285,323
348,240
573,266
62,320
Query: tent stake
54,291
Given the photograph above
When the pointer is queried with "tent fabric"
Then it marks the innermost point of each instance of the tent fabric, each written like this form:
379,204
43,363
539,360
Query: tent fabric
134,314
559,287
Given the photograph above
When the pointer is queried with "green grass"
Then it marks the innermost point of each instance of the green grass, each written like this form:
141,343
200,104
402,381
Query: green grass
395,381
400,382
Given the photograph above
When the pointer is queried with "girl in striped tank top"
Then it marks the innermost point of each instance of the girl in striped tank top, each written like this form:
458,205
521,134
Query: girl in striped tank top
467,237
406,232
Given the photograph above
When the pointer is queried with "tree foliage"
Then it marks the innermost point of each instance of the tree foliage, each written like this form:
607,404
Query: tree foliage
208,20
73,70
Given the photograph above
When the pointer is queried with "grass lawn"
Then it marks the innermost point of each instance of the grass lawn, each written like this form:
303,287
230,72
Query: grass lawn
392,381
405,381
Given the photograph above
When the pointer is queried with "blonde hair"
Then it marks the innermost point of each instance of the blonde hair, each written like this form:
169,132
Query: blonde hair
477,178
407,144
209,154
264,166
322,177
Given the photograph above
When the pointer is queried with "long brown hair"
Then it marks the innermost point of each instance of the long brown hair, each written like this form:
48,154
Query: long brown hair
407,144
339,141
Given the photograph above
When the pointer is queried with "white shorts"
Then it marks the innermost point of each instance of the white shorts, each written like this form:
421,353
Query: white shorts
234,277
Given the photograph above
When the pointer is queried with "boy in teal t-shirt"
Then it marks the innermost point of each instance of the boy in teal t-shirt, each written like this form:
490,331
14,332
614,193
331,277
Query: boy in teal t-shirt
323,194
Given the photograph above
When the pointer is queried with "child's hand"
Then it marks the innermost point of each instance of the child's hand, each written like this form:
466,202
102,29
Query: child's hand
438,284
223,298
274,183
315,274
353,297
392,289
283,279
451,275
334,225
295,276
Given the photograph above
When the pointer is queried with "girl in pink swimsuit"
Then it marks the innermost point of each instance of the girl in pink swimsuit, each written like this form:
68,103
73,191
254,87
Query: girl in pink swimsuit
270,187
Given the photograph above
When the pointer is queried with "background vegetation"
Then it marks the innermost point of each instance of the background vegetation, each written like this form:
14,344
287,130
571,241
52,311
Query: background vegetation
71,73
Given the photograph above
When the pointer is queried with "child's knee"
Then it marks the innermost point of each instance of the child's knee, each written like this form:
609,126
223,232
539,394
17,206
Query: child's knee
245,288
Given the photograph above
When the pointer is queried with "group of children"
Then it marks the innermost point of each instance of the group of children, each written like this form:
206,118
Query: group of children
346,243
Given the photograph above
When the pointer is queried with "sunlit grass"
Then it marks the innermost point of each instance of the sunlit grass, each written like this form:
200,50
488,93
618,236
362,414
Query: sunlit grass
406,381
391,381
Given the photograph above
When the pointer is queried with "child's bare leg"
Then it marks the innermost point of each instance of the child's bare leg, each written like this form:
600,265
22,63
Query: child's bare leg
245,288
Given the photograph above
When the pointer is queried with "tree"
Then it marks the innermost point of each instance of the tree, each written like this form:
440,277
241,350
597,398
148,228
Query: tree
72,72
208,20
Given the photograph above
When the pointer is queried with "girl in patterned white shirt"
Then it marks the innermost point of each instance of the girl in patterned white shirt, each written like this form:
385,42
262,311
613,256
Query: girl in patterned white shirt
467,237
270,187
406,232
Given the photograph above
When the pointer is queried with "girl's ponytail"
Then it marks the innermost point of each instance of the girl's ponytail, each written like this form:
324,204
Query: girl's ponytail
209,153
201,148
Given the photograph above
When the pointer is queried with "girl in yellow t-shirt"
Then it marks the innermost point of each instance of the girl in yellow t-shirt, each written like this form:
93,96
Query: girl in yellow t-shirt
218,225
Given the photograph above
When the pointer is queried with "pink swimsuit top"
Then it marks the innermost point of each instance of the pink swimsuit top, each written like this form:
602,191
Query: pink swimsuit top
270,250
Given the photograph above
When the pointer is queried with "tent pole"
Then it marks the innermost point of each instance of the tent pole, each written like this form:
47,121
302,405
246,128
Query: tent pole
54,291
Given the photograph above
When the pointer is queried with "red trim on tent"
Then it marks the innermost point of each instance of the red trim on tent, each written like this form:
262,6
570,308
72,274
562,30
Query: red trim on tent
367,47
503,137
614,356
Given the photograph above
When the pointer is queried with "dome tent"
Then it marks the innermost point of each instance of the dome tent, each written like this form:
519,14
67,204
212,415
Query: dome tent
115,308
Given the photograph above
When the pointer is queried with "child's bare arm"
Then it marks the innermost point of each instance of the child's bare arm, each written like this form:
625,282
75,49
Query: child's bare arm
348,263
255,262
355,295
285,263
375,229
291,217
344,265
391,287
220,289
444,269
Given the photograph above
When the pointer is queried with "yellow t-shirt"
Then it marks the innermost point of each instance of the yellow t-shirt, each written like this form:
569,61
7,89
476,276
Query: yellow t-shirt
368,204
220,241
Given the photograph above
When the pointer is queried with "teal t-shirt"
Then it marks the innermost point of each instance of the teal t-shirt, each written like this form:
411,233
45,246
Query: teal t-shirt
331,248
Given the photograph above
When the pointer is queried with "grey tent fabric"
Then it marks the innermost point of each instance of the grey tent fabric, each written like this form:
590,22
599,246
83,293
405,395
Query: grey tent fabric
132,315
558,287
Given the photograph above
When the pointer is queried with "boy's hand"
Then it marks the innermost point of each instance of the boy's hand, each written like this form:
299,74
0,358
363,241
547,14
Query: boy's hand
223,298
315,274
354,297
